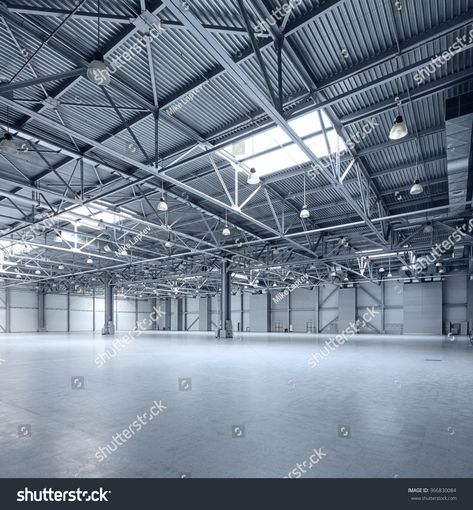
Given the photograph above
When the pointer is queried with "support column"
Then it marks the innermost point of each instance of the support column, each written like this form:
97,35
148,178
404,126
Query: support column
41,311
226,302
7,310
93,310
109,326
154,304
205,313
167,317
68,311
180,314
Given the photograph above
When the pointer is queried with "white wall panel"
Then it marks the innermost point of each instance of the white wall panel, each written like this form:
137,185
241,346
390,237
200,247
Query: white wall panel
455,299
81,320
23,298
24,320
23,311
125,321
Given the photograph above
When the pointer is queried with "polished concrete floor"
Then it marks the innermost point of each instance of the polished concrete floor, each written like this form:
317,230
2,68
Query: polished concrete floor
252,407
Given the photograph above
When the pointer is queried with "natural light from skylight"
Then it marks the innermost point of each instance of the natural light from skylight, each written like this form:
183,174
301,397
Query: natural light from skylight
282,152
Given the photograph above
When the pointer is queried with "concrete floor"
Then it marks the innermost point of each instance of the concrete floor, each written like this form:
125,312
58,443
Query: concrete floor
406,404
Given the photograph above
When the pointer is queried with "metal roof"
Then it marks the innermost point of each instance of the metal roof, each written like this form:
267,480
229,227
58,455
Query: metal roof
206,85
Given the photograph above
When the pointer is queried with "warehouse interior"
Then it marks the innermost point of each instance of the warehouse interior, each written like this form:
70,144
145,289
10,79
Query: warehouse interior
226,226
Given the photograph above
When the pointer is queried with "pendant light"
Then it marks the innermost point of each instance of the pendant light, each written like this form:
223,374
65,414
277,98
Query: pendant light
226,231
417,188
7,145
304,214
399,129
428,228
162,204
97,71
253,179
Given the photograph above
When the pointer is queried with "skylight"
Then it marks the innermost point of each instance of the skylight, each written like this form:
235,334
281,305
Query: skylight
90,216
272,150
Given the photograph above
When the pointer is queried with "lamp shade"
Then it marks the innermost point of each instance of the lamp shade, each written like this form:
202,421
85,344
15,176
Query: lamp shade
304,214
399,129
417,188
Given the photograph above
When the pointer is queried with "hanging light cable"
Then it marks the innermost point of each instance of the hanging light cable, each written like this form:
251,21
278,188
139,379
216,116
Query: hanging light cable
226,231
97,71
162,205
7,145
417,187
304,214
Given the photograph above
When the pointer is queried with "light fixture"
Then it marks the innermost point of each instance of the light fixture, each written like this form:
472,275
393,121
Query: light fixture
7,145
438,264
390,274
18,275
333,273
253,178
428,228
381,269
346,279
226,231
304,214
162,206
441,270
60,267
97,71
90,261
168,243
58,238
399,129
37,271
417,188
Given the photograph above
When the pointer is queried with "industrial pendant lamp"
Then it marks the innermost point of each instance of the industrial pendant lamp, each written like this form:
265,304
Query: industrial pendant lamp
417,188
399,129
253,179
304,214
97,71
226,231
7,145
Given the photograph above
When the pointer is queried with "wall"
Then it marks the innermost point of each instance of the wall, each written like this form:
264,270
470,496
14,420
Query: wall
315,310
